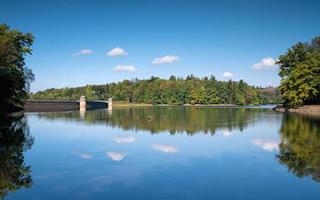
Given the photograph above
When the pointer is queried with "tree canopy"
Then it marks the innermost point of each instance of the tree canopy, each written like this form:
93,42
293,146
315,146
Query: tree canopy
300,74
176,90
15,77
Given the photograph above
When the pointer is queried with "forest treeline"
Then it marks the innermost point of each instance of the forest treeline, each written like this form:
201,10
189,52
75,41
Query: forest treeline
175,90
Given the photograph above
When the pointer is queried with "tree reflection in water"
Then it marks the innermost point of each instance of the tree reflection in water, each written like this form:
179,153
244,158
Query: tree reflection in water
300,145
173,119
15,139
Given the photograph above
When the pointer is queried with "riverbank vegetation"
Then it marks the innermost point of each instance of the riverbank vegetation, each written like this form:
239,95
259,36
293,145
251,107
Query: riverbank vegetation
175,90
300,74
15,77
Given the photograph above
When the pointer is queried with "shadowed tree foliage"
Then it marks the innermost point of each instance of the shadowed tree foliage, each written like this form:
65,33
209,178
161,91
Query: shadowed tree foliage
15,139
300,145
15,77
300,74
175,90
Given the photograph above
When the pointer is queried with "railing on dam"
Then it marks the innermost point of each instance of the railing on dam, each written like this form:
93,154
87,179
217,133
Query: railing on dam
66,105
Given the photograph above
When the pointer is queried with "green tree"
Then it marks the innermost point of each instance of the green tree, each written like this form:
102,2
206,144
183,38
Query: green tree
300,74
15,77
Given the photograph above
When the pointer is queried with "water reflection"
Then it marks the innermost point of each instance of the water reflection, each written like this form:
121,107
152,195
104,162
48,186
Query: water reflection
165,148
172,119
116,156
266,145
85,156
121,140
105,161
15,139
300,145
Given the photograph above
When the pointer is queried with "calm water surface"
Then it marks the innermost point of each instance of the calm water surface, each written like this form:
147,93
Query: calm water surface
160,153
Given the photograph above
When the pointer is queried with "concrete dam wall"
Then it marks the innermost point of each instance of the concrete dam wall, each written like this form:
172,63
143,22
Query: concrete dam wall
64,105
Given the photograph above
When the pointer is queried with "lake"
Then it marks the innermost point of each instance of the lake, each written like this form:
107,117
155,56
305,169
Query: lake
160,153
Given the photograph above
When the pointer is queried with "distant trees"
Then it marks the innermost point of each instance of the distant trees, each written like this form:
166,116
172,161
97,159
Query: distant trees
175,90
15,77
300,74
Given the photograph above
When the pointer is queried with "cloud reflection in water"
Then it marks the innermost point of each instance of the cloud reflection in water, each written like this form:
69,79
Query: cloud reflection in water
165,148
121,140
266,145
85,156
116,156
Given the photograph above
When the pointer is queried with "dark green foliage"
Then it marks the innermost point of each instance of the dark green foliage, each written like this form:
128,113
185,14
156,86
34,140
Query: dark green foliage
15,77
300,74
191,90
15,139
300,145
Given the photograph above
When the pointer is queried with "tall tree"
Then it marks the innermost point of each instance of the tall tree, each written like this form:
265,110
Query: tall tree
300,74
15,77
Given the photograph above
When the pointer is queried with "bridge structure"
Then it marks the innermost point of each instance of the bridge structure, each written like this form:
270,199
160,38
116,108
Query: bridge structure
66,105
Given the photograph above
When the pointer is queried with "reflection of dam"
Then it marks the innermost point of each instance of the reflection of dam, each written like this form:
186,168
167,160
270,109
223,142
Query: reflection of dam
173,119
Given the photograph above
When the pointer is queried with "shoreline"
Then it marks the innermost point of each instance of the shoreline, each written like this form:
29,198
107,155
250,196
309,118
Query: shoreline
305,109
169,105
115,104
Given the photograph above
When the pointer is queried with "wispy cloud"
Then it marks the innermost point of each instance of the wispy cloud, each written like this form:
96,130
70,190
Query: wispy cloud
124,68
121,140
266,145
265,63
117,52
83,52
165,148
165,60
116,156
227,75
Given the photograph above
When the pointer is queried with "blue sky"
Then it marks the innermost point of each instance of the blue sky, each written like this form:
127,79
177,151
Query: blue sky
94,42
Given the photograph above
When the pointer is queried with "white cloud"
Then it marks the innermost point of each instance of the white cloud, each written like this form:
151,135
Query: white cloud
116,156
265,63
85,156
165,60
227,75
117,52
83,52
266,145
124,68
165,148
121,140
